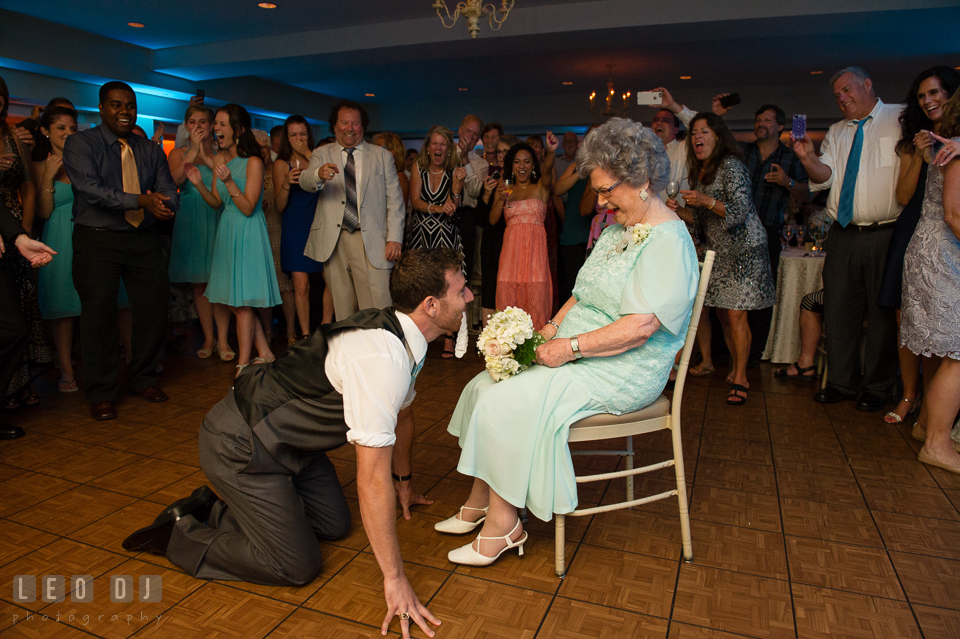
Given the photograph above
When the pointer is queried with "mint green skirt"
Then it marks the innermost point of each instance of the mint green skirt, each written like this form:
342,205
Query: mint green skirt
513,436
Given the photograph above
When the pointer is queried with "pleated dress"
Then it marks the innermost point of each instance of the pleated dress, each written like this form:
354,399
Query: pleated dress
194,233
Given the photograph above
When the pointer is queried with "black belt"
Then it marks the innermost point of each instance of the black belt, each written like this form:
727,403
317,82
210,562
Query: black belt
867,228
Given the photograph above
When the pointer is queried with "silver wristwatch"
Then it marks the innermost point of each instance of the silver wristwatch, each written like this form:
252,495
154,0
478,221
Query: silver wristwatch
575,345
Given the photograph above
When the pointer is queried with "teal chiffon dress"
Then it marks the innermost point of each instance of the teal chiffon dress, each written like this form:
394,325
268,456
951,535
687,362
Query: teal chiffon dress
513,434
242,273
194,233
57,296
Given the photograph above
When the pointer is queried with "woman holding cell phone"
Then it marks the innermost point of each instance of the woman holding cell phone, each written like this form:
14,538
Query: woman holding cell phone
298,208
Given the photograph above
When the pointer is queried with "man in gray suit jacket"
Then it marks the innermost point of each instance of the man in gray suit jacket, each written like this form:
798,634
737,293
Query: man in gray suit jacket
358,228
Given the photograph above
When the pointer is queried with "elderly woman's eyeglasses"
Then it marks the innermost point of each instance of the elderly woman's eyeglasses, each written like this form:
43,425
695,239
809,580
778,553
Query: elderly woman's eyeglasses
606,191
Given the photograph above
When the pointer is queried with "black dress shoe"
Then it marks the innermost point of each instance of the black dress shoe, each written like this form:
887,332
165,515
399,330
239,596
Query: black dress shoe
103,410
156,537
870,403
10,432
831,395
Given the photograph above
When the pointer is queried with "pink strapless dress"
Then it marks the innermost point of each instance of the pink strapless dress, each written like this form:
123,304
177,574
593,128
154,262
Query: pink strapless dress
524,276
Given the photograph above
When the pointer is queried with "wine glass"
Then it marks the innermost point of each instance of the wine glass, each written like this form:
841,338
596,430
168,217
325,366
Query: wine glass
786,233
800,233
817,233
507,190
673,188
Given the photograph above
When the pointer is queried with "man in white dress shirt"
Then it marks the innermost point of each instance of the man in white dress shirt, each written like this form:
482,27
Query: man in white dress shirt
859,164
358,228
475,172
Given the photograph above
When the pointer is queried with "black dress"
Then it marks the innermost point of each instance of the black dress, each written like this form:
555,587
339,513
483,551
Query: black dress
491,243
435,230
891,287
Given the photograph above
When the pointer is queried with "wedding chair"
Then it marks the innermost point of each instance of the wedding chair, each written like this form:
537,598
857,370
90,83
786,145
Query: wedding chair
661,414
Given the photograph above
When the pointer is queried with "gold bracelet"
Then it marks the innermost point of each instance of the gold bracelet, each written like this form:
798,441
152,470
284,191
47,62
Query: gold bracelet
47,190
235,196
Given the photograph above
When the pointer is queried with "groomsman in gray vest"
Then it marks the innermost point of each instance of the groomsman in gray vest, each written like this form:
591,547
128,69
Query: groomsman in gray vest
358,228
264,446
859,164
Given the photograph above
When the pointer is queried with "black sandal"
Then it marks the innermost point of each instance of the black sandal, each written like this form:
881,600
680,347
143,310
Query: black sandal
735,398
801,373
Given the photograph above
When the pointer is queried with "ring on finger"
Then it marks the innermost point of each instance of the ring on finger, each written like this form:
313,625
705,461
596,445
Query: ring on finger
405,616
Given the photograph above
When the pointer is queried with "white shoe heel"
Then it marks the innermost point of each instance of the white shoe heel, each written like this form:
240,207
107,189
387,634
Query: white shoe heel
457,526
467,556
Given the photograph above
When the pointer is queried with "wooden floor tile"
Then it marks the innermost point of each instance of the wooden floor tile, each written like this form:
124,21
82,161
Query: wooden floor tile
40,450
179,489
186,452
734,602
829,521
143,477
825,613
215,610
811,460
747,550
89,464
96,617
890,470
827,489
148,440
747,478
920,535
618,579
536,570
28,489
575,527
9,472
619,530
750,431
17,540
471,607
109,532
36,627
356,591
357,539
938,623
909,500
734,508
307,623
11,615
734,451
822,438
829,564
686,631
933,581
72,510
569,619
421,544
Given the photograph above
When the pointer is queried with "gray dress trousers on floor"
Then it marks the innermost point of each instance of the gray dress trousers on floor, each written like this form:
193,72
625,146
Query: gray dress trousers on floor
262,448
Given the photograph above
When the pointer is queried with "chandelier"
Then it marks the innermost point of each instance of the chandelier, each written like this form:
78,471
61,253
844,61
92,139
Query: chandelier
473,11
610,110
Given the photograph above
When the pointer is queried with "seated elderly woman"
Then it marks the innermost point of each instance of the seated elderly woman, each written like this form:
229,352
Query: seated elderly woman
609,350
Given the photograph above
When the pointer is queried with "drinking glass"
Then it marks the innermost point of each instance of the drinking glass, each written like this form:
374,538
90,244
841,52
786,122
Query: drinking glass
800,233
507,190
673,188
818,232
786,233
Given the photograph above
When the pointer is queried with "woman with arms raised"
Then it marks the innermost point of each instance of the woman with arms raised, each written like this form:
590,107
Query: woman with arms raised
610,349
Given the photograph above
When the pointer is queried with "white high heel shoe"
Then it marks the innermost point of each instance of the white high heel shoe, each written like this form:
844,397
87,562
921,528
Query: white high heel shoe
457,526
470,557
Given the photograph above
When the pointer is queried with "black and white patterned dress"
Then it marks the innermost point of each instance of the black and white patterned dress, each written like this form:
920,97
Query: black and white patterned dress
741,278
435,230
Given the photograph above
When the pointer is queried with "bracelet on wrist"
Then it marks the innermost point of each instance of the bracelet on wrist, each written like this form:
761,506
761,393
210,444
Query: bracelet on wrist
397,477
48,190
554,324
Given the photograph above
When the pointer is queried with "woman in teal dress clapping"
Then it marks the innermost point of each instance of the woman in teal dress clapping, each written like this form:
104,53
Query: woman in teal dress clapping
610,349
195,226
242,276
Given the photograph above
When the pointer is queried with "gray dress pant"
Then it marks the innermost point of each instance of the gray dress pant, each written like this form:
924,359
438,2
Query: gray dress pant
852,272
266,525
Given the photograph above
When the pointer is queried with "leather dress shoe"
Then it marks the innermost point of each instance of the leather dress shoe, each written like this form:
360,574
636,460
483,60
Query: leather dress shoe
153,394
156,537
103,410
831,395
10,432
870,402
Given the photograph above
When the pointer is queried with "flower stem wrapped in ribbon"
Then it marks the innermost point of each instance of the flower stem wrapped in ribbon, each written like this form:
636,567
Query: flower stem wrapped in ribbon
509,343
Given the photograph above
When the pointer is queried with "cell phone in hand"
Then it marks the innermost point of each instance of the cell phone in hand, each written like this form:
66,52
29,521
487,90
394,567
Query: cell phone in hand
650,98
731,100
495,175
201,93
799,126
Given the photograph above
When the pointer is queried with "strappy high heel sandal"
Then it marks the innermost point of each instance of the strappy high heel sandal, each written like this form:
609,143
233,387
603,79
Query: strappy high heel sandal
467,556
456,525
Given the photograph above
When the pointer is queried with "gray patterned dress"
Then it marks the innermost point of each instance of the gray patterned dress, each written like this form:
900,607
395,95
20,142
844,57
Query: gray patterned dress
930,315
741,278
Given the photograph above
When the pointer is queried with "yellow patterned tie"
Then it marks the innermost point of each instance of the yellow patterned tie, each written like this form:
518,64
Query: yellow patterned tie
131,181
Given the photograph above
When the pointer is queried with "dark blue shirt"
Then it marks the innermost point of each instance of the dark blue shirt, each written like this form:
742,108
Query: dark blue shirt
771,199
576,227
92,162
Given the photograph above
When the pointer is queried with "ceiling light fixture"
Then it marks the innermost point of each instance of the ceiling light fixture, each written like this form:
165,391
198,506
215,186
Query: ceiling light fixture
136,25
473,11
566,84
816,72
462,89
370,95
267,5
610,110
685,77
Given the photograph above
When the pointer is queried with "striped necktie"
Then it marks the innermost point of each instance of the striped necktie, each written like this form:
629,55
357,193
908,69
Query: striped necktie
849,188
351,220
131,181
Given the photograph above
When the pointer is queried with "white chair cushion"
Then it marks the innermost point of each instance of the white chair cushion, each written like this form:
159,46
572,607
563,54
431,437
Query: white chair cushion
659,408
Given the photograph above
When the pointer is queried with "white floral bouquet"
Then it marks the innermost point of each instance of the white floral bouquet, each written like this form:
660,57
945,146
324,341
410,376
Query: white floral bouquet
509,343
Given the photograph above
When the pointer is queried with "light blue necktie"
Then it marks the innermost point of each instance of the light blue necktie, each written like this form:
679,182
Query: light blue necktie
416,371
849,188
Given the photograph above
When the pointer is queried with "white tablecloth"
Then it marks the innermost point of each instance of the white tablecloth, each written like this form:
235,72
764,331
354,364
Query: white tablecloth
799,274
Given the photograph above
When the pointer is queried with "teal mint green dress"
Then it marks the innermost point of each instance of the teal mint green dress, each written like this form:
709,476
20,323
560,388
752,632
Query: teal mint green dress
242,273
57,296
513,434
194,233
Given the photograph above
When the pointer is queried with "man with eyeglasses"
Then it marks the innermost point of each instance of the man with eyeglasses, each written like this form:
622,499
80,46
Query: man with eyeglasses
476,172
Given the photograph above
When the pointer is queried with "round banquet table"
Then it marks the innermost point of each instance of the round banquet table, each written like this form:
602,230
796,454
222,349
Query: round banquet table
800,273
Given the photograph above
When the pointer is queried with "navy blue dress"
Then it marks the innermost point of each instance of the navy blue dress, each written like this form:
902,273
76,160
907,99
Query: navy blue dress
295,229
891,287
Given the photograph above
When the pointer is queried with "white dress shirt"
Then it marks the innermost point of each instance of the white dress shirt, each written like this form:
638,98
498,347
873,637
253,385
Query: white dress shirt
371,369
677,153
875,199
476,169
358,166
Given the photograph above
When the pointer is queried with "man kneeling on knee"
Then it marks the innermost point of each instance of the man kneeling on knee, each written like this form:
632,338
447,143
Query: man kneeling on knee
264,446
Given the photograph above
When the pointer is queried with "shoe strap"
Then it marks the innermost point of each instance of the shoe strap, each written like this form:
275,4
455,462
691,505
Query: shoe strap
506,538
